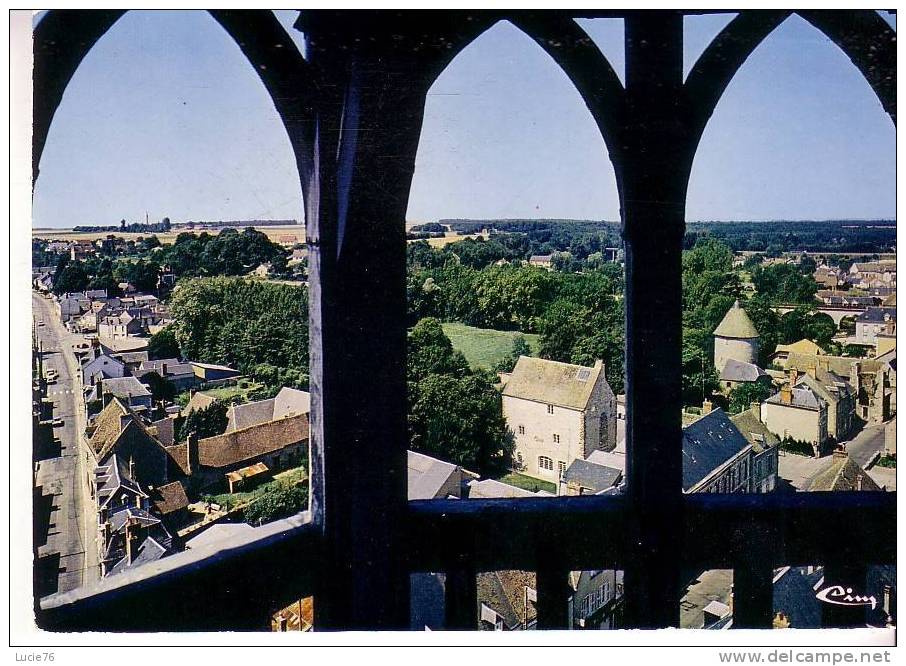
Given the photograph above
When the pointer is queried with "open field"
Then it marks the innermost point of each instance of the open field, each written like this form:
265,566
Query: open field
484,347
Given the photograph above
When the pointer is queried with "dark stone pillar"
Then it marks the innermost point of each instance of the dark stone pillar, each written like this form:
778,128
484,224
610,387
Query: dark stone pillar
653,187
369,115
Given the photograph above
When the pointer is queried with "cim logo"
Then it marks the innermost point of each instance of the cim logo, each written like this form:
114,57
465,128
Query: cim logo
843,596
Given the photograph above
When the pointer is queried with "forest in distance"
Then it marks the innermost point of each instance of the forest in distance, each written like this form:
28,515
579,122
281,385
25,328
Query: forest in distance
772,237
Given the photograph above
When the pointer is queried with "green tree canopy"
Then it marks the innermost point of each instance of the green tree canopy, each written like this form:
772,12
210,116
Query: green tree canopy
163,344
742,397
205,422
275,503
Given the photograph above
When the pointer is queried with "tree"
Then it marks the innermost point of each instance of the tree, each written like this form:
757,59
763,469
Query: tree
459,419
73,277
767,323
208,421
784,283
163,344
699,373
430,352
276,503
742,397
162,389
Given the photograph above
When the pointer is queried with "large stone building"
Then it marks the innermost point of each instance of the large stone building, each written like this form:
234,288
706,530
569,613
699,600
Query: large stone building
558,412
735,338
799,413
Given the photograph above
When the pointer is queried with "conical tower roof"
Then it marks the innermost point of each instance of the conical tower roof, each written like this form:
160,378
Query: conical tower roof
736,324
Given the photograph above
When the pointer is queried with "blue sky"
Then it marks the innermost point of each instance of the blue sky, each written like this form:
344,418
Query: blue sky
165,116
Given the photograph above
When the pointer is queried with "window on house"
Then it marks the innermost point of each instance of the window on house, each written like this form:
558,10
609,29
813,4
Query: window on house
550,409
561,468
556,438
522,430
545,463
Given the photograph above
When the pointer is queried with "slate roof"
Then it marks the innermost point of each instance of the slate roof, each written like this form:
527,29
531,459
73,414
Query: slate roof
803,397
877,315
736,324
291,402
245,415
708,443
553,382
212,366
740,371
124,387
427,475
133,356
149,551
111,477
794,596
174,367
821,382
615,459
238,446
591,475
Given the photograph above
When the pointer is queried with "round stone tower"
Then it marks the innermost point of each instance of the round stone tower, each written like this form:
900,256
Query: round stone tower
736,338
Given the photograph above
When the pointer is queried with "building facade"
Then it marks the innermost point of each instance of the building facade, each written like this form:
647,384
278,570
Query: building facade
558,412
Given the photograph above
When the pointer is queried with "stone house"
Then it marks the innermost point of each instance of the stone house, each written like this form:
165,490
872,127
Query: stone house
429,478
799,413
558,412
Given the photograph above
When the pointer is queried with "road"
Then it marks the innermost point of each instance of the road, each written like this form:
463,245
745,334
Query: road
72,527
867,444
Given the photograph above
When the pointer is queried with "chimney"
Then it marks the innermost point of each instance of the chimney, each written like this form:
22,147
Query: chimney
840,451
755,408
131,468
192,453
283,622
812,370
824,364
786,394
707,406
107,531
106,397
129,538
794,375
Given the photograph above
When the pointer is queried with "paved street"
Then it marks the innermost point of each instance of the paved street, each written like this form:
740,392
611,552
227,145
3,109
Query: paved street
69,530
794,470
865,445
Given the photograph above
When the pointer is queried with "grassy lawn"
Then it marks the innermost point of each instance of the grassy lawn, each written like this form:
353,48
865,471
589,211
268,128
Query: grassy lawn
484,347
287,477
228,393
527,483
